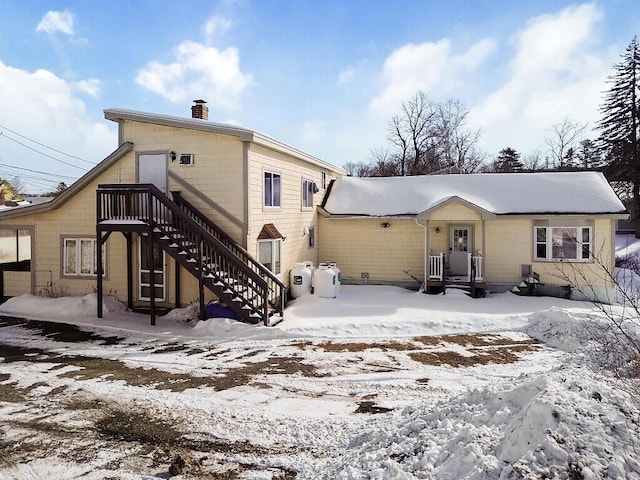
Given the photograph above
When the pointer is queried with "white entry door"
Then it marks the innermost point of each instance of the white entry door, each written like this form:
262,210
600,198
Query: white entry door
152,168
460,246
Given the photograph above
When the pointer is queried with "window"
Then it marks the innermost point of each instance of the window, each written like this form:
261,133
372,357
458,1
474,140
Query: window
271,189
269,254
323,180
307,193
562,243
80,257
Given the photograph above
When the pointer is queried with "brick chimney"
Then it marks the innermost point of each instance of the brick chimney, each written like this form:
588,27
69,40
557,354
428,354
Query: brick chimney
200,110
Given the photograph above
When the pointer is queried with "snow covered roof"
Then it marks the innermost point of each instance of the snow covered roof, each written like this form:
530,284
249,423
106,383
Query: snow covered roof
497,193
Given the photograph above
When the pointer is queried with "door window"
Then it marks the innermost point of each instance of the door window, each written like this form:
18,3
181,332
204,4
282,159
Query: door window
460,240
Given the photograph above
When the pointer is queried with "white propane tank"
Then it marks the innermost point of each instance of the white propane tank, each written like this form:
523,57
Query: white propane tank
335,268
325,281
301,279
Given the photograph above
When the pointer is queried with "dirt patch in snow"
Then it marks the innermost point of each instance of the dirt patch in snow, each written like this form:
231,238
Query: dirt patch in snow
90,368
61,332
476,356
481,349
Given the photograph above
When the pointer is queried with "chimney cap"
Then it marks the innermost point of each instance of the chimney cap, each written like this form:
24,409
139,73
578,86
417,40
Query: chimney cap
199,102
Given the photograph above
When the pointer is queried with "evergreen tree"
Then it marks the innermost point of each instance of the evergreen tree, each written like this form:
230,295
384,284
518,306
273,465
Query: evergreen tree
620,122
508,161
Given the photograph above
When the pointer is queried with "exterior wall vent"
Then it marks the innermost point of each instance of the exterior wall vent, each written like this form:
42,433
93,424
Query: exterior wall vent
186,159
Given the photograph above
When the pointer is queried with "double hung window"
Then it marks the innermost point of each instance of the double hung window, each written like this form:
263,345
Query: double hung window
307,193
272,184
80,257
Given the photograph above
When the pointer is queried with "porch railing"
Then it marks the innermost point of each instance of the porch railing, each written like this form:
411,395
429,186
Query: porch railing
437,267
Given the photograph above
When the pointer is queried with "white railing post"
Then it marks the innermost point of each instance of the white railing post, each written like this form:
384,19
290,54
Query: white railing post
436,267
478,264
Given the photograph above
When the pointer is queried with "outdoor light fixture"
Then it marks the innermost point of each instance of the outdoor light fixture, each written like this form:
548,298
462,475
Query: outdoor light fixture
172,154
385,225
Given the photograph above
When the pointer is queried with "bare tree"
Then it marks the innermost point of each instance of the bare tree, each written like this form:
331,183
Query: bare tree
357,169
563,140
429,136
533,161
614,335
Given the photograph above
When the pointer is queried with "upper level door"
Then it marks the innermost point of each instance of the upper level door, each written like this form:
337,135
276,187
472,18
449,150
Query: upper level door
152,168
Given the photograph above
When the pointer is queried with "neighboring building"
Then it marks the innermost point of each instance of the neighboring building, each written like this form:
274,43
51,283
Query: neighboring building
259,192
494,230
9,197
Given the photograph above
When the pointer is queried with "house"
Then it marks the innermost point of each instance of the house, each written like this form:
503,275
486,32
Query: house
489,231
9,196
184,209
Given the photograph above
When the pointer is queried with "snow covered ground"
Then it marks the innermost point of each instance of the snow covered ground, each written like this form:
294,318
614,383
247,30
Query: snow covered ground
380,383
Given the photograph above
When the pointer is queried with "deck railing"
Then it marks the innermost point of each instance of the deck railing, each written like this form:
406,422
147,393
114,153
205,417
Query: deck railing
146,204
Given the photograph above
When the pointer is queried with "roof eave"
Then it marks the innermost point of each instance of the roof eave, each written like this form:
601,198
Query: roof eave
243,134
82,182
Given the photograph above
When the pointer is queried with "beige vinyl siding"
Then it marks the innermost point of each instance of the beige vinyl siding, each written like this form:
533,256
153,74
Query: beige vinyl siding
509,245
363,246
17,283
217,172
77,217
290,218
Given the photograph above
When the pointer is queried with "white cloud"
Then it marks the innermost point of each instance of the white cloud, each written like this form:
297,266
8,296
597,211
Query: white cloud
554,73
54,22
199,71
90,87
347,75
216,25
43,107
428,67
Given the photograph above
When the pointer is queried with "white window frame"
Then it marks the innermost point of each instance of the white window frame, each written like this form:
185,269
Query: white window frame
583,248
276,260
79,242
307,194
272,202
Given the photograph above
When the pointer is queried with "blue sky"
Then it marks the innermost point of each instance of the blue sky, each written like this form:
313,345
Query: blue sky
323,76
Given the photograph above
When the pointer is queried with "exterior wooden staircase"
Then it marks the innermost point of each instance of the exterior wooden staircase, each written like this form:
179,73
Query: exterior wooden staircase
196,243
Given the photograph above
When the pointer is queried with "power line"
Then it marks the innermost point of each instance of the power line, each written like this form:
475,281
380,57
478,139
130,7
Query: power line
4,135
38,171
45,146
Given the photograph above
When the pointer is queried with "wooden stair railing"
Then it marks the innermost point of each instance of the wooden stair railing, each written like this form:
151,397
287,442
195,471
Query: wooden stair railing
130,207
277,289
